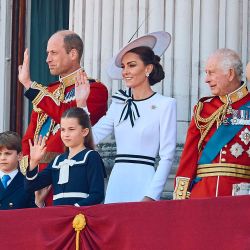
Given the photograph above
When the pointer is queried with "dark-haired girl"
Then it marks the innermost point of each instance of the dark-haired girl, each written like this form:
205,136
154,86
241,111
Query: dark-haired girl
143,121
77,176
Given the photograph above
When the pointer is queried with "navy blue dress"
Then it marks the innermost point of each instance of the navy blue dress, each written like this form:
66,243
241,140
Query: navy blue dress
82,182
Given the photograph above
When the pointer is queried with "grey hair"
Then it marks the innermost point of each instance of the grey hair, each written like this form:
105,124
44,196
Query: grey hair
229,59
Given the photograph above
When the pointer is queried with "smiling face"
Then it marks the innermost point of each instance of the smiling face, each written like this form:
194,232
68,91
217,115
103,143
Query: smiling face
220,81
59,61
72,133
9,159
134,71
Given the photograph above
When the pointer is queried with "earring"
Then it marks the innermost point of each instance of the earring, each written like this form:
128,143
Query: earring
147,74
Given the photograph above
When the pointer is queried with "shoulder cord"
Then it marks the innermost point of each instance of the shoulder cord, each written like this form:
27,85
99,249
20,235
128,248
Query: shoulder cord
205,124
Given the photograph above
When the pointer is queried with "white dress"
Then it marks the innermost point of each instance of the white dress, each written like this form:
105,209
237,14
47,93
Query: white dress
133,175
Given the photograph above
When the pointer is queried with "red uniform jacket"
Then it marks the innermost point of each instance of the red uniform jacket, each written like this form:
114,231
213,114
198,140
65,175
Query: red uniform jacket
51,102
235,152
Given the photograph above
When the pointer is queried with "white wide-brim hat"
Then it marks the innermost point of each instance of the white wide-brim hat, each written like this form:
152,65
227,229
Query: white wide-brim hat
157,41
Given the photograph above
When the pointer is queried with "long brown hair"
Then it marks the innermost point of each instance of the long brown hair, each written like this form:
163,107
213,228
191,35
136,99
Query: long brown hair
84,121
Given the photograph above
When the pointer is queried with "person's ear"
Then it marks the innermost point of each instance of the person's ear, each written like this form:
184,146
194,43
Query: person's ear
74,54
149,68
231,74
85,132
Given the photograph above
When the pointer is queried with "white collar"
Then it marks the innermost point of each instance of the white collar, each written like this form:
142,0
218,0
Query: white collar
11,174
64,166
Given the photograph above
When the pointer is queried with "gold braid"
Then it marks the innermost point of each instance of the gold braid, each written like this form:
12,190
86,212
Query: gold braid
42,117
205,124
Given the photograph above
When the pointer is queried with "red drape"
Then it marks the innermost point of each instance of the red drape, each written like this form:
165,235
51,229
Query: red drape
217,223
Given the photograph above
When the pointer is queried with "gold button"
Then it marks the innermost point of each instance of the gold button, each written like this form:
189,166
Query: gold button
223,152
225,146
10,204
182,183
181,188
180,193
223,159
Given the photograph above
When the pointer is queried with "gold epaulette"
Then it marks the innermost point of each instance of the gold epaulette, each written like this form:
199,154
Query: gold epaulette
181,188
24,164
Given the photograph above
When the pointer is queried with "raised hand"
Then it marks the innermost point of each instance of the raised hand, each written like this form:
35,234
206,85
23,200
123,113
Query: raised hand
82,89
24,71
37,151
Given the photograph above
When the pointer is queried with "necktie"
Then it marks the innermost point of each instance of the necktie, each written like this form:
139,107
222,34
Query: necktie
5,179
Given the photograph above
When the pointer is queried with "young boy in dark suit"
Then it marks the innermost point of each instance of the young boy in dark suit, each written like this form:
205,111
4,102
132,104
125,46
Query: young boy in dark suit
12,193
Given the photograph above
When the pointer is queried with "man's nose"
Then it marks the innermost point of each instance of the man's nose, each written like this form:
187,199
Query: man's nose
207,79
48,58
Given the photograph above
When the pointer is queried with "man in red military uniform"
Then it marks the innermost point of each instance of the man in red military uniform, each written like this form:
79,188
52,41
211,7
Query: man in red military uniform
216,154
64,51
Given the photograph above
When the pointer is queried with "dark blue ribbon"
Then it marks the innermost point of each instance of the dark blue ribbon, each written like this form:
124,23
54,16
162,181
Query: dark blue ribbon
130,109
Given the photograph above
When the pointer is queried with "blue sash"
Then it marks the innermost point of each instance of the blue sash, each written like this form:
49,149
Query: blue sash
220,138
45,127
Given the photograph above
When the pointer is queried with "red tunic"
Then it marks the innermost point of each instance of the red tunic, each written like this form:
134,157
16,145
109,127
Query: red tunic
212,186
46,104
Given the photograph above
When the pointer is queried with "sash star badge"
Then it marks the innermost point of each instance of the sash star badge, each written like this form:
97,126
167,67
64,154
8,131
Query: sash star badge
245,136
236,150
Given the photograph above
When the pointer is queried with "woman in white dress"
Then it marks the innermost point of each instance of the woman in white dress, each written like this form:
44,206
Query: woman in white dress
143,121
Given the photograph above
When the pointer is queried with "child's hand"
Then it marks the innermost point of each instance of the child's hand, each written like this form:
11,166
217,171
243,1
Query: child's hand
37,151
40,196
82,89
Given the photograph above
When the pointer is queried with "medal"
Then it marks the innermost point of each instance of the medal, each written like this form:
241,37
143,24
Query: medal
236,150
245,136
240,117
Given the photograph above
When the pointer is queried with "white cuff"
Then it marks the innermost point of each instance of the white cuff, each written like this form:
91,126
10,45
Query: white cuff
31,178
